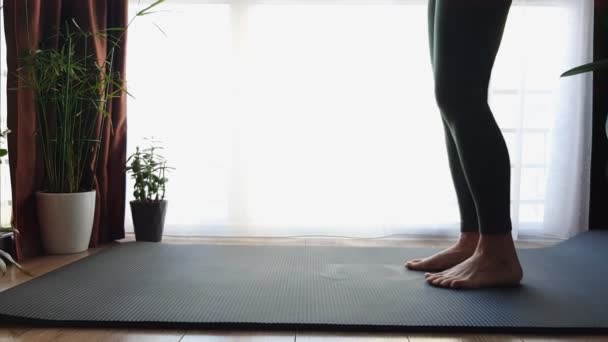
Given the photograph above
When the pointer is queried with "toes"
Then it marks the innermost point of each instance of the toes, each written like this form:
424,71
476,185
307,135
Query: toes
413,264
449,282
431,277
459,284
437,281
446,282
430,274
434,279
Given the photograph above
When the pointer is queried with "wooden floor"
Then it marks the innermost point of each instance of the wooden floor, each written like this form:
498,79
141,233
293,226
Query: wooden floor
41,265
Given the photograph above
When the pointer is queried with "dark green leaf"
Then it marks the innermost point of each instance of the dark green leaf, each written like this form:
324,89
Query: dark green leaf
11,260
594,66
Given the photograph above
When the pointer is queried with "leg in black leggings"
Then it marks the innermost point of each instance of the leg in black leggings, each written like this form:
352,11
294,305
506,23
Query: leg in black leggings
464,38
466,204
469,223
467,35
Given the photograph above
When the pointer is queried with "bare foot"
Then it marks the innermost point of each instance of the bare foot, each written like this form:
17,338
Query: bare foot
463,249
493,264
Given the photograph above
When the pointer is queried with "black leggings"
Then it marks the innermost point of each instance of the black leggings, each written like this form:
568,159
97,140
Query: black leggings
464,37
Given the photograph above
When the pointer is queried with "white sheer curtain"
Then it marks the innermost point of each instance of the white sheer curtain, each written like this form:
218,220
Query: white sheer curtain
567,199
297,117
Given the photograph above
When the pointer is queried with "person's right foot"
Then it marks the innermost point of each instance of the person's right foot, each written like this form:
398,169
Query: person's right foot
493,264
450,257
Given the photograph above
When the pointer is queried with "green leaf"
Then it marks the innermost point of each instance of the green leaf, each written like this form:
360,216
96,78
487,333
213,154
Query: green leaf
115,29
142,14
593,66
160,29
145,10
12,261
8,230
77,26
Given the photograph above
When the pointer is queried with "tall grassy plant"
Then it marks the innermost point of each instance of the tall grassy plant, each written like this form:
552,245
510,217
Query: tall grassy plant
72,91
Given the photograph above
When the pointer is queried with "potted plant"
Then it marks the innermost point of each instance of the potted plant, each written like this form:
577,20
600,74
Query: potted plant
72,90
5,256
148,170
3,153
7,231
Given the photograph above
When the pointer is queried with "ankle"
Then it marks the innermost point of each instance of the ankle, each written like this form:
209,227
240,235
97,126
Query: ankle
468,240
500,245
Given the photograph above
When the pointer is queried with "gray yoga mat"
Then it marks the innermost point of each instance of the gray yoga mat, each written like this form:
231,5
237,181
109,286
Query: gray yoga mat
565,288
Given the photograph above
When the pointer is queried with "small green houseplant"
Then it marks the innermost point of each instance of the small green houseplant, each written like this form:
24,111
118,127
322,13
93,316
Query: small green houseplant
148,169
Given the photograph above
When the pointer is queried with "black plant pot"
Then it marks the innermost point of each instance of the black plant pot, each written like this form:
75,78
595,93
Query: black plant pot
148,219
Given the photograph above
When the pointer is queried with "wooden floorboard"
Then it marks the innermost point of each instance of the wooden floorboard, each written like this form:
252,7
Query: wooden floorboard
463,338
237,336
90,335
42,265
305,336
572,338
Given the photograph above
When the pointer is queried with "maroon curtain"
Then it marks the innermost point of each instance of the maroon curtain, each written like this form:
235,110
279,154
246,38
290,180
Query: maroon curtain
27,24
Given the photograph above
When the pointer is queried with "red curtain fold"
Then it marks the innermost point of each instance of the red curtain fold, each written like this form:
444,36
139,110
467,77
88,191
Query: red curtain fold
27,24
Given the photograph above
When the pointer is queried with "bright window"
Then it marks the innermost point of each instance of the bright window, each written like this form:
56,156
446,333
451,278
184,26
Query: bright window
317,117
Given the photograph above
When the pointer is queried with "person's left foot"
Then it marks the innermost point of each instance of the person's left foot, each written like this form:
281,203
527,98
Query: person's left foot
493,264
450,257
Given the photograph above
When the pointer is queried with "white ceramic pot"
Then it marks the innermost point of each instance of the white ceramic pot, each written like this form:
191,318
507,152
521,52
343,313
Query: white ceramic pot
66,221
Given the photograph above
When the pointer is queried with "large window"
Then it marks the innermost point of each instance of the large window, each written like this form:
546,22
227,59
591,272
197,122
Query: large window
318,117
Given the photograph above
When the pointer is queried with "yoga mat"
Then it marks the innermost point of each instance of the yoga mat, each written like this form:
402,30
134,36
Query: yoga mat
139,284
